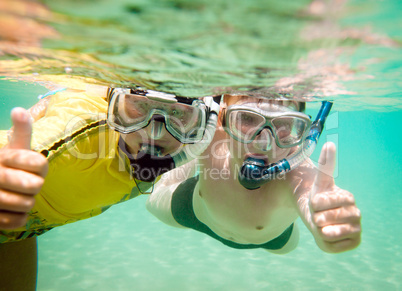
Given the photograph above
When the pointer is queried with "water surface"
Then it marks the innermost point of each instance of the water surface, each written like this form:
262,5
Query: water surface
350,54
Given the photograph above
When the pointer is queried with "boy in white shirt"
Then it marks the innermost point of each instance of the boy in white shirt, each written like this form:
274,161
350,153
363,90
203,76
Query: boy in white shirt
214,202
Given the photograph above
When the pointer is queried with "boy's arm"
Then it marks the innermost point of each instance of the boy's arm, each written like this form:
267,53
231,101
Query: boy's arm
22,173
159,202
329,212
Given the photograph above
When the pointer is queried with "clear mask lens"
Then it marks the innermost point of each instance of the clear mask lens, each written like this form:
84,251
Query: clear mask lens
288,130
244,125
129,113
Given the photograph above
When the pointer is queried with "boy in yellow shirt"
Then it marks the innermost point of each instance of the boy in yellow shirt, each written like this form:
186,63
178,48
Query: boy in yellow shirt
85,153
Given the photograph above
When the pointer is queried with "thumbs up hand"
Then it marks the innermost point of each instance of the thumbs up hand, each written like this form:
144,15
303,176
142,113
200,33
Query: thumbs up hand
335,219
22,173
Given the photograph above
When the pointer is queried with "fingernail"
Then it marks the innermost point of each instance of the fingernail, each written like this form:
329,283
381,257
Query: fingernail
319,219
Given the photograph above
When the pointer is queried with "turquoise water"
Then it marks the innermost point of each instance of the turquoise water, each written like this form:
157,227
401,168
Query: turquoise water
128,249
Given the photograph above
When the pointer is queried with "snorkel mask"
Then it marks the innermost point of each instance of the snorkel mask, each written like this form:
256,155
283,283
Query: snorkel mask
245,122
191,121
253,174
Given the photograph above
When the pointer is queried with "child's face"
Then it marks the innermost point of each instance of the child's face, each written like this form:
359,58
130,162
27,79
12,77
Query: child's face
262,128
162,125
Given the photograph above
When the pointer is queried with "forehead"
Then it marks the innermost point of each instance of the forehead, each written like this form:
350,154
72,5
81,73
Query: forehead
262,103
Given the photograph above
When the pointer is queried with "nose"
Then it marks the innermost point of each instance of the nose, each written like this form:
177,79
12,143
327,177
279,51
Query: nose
155,130
264,140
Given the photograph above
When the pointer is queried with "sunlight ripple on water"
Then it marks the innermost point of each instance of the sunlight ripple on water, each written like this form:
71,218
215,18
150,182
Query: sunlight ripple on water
299,49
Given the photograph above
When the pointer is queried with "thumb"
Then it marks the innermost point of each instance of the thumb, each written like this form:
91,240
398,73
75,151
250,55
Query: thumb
324,181
22,129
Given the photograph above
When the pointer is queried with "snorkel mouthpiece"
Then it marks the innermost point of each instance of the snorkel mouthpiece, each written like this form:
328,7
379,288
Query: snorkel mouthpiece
150,163
253,173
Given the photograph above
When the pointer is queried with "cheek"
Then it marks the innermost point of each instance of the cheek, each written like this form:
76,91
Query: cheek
133,141
172,146
282,153
238,150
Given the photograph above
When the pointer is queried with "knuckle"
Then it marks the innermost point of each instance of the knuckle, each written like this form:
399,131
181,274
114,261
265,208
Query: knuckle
352,212
358,214
28,203
357,230
318,200
36,185
322,234
3,199
43,165
332,233
4,154
10,201
11,155
314,203
349,197
30,184
12,221
318,219
4,176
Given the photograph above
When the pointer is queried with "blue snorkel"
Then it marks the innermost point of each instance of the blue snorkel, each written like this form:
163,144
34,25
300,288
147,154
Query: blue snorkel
253,174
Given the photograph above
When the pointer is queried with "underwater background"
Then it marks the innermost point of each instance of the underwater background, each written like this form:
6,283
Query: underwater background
357,64
126,248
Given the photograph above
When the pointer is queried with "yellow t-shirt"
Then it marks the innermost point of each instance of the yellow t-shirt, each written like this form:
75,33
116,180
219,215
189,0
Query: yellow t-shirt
87,171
